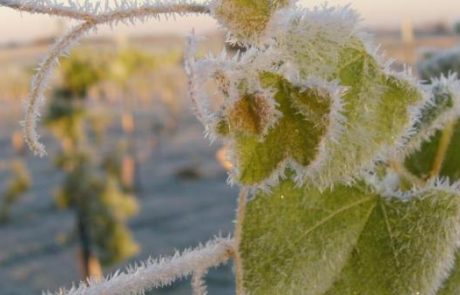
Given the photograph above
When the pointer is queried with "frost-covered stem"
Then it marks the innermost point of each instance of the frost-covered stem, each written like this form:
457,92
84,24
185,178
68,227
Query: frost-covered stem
399,168
47,8
241,211
446,138
64,44
39,82
158,273
190,52
198,282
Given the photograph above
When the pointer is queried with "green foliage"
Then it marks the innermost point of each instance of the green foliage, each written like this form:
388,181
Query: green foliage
377,112
348,240
437,155
305,115
95,193
104,208
81,71
299,238
129,61
18,185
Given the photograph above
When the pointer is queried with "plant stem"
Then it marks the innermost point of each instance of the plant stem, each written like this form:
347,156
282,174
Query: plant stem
442,149
242,202
402,171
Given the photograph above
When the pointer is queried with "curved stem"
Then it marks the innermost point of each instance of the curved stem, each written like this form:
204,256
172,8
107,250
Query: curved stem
39,81
64,44
242,202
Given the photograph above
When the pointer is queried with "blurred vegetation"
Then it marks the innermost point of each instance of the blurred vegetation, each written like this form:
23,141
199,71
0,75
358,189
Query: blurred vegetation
93,187
17,186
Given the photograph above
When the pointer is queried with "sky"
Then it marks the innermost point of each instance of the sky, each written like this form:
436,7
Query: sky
16,27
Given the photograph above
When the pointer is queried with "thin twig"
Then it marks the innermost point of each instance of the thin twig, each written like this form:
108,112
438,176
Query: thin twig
43,7
157,273
446,138
198,282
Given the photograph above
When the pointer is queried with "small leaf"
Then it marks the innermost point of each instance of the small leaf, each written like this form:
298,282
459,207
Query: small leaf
293,137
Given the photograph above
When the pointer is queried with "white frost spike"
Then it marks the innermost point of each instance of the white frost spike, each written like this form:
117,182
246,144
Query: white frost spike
196,78
198,283
158,273
388,187
63,45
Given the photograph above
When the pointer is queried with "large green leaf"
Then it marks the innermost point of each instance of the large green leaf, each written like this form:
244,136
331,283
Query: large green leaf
347,241
405,248
299,239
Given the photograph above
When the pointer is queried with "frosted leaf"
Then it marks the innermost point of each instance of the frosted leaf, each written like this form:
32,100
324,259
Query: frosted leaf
349,240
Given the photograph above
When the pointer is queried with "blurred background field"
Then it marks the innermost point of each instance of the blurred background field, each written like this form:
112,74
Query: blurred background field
141,117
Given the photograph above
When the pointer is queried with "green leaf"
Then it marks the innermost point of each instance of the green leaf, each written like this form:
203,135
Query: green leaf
376,111
348,241
405,248
299,239
324,135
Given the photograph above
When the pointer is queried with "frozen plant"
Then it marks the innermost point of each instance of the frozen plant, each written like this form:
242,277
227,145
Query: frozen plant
343,164
439,62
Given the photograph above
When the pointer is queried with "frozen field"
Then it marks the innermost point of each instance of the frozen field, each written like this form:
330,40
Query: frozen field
36,248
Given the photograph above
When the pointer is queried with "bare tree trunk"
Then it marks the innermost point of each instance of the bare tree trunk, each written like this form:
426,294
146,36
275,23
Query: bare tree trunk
89,264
